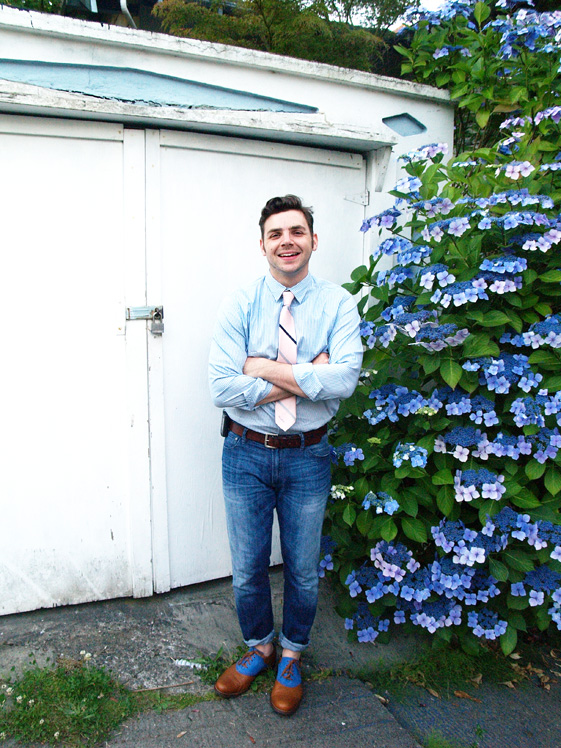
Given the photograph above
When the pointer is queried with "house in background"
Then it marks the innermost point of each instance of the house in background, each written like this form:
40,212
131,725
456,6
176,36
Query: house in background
134,168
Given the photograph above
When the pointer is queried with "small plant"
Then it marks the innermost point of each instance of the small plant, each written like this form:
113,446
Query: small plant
436,739
442,671
214,666
72,704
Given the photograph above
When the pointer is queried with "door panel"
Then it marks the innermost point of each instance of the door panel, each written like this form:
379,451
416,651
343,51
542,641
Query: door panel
212,191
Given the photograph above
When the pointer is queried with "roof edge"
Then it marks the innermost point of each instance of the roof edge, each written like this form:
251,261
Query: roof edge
71,28
301,129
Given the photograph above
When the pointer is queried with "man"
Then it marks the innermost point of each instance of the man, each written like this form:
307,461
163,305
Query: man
276,455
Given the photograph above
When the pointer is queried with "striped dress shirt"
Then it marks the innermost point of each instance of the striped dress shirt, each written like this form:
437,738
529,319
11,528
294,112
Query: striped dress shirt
326,320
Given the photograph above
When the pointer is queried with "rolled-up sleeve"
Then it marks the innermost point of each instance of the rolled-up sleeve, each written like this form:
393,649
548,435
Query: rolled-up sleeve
337,379
229,386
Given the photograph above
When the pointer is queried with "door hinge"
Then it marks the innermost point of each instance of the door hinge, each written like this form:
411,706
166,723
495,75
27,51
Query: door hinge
361,198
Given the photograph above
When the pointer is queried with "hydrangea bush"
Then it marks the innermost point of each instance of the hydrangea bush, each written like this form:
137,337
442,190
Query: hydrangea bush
445,509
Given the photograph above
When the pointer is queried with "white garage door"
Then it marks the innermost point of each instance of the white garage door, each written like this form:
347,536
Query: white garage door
203,241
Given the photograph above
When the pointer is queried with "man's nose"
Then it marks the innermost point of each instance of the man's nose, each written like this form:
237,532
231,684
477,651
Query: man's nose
286,237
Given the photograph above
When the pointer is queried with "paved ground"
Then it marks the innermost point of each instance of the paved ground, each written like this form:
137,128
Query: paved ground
144,641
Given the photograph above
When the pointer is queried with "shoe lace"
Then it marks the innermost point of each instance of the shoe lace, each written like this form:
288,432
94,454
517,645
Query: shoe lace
248,657
289,670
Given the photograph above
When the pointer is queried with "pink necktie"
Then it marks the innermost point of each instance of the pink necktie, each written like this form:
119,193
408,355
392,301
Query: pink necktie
285,410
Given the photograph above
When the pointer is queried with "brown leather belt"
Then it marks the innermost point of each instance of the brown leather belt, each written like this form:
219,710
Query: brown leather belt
280,441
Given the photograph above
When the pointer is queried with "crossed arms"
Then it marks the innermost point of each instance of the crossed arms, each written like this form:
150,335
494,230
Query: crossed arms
279,375
239,381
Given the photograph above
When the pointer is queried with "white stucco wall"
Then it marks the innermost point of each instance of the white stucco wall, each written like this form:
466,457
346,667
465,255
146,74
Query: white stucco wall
94,424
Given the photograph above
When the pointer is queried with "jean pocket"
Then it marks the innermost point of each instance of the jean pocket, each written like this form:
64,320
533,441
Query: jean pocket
232,440
321,449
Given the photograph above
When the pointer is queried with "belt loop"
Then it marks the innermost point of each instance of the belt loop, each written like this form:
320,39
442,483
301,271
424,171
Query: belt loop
302,440
243,435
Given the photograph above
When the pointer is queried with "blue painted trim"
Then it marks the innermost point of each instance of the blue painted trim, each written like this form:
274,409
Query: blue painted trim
139,86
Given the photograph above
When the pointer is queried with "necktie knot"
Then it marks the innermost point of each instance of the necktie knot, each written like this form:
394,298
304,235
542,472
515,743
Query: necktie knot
287,298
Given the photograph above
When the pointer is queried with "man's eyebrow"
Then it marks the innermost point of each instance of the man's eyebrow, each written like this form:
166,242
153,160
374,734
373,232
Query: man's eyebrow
291,228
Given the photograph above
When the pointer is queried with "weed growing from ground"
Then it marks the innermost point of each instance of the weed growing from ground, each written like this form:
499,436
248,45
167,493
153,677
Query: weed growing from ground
443,671
72,704
76,704
214,665
437,740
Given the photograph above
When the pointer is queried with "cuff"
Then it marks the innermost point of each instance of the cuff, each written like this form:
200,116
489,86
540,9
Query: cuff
259,389
307,380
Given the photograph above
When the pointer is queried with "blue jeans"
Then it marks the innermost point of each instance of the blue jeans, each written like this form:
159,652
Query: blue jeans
296,482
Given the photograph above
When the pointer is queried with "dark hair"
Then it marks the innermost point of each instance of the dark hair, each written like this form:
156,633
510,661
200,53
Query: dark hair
281,205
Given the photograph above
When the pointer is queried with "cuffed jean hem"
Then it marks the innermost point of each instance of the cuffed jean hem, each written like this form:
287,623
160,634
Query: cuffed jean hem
287,644
255,642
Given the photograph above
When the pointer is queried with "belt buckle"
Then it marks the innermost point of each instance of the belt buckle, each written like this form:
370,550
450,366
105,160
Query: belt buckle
266,441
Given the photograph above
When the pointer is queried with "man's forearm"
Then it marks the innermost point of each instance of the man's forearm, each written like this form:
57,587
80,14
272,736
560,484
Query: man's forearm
275,394
280,375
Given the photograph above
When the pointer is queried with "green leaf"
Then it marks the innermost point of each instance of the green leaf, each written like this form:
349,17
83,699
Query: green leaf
509,640
409,504
498,570
552,481
542,619
515,320
445,500
414,529
443,478
349,515
388,530
359,273
518,560
481,12
471,645
544,357
403,472
451,372
552,276
524,499
517,620
534,470
482,117
364,522
494,318
543,308
430,363
480,345
517,603
551,383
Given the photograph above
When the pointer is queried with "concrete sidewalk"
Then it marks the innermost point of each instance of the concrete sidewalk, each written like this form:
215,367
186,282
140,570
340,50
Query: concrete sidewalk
143,642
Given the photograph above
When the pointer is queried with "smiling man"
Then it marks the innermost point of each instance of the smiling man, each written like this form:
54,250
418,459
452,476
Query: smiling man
285,351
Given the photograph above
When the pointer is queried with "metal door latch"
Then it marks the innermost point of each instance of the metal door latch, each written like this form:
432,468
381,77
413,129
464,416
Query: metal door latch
155,314
157,324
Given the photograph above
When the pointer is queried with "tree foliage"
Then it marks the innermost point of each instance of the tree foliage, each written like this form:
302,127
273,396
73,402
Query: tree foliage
43,6
286,27
471,56
446,508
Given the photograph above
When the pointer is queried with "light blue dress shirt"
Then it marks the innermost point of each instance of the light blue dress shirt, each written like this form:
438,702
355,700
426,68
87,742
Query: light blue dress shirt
326,320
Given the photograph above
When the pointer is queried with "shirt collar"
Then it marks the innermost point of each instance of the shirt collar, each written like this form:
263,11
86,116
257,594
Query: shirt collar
299,290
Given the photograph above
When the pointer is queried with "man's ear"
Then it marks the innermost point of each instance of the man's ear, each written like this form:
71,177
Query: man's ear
262,247
314,242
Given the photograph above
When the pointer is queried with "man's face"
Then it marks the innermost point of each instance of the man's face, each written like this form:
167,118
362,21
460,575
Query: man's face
288,245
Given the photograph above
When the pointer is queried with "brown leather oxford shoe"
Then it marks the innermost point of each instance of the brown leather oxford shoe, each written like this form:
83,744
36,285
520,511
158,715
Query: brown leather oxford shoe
238,677
287,692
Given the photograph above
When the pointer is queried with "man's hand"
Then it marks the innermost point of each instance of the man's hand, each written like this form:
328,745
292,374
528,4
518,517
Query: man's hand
321,358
